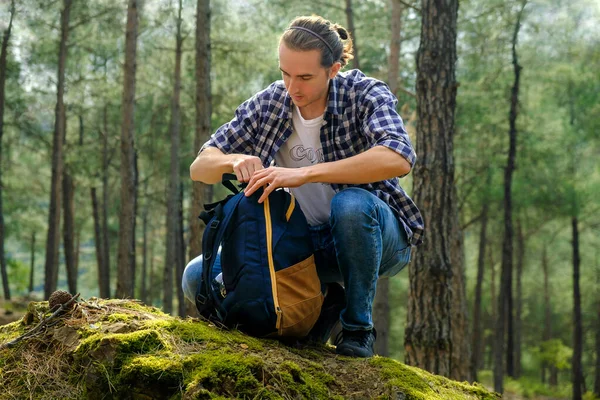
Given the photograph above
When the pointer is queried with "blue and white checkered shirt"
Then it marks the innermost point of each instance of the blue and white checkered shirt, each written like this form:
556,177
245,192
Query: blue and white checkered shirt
361,113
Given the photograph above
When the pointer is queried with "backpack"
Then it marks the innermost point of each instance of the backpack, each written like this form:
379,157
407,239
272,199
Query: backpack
271,286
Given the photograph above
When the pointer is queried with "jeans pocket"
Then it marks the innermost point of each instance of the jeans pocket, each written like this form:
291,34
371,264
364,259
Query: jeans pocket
396,263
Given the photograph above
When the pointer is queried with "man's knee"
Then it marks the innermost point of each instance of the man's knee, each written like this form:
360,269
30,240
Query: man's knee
191,277
351,204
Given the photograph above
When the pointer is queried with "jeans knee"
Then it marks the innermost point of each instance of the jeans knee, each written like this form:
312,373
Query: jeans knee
351,205
191,277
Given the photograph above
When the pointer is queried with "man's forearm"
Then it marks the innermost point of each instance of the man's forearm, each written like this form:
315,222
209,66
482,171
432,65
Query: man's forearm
210,165
376,164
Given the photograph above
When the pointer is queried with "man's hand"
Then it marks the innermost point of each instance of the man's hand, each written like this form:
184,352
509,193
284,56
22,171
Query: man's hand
245,166
275,177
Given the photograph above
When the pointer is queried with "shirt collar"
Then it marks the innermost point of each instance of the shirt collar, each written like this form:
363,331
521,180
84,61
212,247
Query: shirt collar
335,102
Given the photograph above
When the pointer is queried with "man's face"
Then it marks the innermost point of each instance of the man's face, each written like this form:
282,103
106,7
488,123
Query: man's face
305,79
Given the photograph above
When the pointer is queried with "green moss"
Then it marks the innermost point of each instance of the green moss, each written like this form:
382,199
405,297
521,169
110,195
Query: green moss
11,331
119,317
417,384
104,346
135,306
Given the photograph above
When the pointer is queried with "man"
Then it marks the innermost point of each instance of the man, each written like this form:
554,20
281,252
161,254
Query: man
336,140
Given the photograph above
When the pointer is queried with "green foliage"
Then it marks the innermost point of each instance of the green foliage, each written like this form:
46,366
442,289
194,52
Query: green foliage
554,353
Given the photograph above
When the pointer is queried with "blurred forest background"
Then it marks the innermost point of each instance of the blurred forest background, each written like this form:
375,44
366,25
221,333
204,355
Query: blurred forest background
95,195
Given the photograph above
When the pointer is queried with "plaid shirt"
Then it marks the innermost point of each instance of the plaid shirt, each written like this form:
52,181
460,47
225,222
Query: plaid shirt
361,113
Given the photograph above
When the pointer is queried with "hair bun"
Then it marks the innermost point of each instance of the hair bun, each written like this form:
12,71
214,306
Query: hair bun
341,31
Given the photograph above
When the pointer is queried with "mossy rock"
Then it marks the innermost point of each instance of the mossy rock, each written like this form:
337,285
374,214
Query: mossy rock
117,349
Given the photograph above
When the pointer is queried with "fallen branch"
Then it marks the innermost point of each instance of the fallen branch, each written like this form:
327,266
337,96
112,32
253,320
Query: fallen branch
49,321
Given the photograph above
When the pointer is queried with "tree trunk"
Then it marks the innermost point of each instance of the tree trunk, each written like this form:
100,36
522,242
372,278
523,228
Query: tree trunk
99,243
144,287
395,45
547,333
519,306
174,189
504,320
381,306
105,269
597,375
477,337
3,64
53,238
494,305
126,250
461,346
69,230
350,19
32,259
180,251
577,370
428,336
201,193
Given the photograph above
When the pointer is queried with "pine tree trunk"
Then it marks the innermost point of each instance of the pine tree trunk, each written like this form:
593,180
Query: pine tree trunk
173,189
519,306
350,20
105,268
32,266
504,320
144,286
577,370
461,346
428,335
180,250
597,374
201,193
547,335
494,305
477,337
53,238
126,249
381,306
3,64
98,240
69,230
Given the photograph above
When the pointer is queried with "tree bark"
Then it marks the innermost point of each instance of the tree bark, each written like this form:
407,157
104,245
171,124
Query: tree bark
3,65
504,320
428,335
174,189
350,19
99,242
461,346
477,337
519,306
53,238
577,369
69,230
32,259
201,193
180,250
105,269
144,286
395,45
126,250
597,374
381,306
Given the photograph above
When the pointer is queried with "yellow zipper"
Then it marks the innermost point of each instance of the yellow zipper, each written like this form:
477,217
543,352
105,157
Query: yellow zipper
278,312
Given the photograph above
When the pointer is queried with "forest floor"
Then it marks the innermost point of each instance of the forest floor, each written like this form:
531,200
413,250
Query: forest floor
124,349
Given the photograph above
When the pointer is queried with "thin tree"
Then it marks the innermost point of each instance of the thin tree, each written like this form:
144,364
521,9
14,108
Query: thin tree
381,305
597,374
174,179
53,238
427,341
477,328
350,21
98,239
126,249
505,295
518,331
3,64
104,273
69,229
32,262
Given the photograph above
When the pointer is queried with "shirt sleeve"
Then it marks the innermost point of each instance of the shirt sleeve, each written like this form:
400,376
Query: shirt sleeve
237,136
382,125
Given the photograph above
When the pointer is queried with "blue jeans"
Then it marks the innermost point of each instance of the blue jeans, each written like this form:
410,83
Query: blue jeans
364,240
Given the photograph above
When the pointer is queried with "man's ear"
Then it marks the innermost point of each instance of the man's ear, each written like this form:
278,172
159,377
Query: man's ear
335,68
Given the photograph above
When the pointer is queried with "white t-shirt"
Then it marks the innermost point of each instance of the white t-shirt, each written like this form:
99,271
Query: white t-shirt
303,148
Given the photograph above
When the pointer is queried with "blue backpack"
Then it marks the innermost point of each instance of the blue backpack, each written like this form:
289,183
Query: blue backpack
271,286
